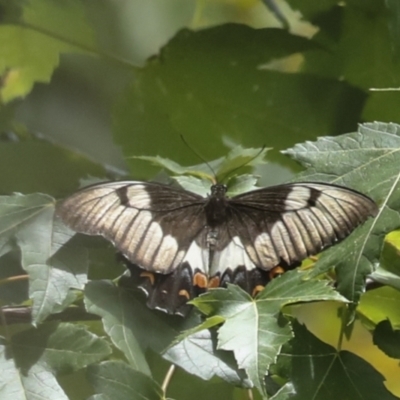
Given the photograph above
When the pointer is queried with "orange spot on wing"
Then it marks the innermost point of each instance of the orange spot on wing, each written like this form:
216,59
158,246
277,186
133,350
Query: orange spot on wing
276,271
257,290
200,280
184,293
149,275
214,282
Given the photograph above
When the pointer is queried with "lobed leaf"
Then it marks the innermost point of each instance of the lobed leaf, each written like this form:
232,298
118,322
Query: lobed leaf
45,26
316,369
254,328
53,262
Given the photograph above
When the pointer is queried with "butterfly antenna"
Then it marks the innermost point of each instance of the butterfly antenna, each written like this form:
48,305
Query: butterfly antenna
200,157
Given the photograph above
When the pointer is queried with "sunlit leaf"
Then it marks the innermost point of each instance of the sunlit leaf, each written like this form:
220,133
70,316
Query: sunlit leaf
254,328
379,304
31,47
317,369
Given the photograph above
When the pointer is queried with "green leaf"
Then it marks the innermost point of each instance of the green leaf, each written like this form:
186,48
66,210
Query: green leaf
30,51
320,372
187,90
54,18
195,185
59,347
118,381
393,8
241,184
355,35
38,155
114,306
34,356
285,393
197,354
366,161
254,329
237,159
390,253
150,329
379,304
387,339
133,328
362,36
53,265
311,9
224,168
37,383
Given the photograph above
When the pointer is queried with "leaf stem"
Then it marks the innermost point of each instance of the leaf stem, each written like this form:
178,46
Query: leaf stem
250,394
167,378
11,279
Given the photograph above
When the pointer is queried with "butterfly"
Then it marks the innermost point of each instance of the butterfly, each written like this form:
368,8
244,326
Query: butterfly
177,244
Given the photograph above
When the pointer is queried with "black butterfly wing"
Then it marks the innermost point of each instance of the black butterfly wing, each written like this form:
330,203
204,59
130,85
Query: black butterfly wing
152,225
288,223
167,292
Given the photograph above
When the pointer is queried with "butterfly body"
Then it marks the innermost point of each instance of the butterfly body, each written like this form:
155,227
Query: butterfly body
178,243
217,206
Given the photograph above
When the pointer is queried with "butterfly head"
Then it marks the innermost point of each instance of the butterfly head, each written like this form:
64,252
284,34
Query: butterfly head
218,190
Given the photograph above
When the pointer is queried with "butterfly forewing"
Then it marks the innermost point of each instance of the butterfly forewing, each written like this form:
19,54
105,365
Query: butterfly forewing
290,222
153,225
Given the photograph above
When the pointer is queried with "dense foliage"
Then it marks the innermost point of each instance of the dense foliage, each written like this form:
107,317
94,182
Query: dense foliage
68,330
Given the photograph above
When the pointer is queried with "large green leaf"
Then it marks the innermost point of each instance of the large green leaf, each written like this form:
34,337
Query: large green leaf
254,328
38,383
355,35
198,355
114,306
60,347
33,357
188,90
53,265
320,372
39,166
379,304
32,45
361,43
133,328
